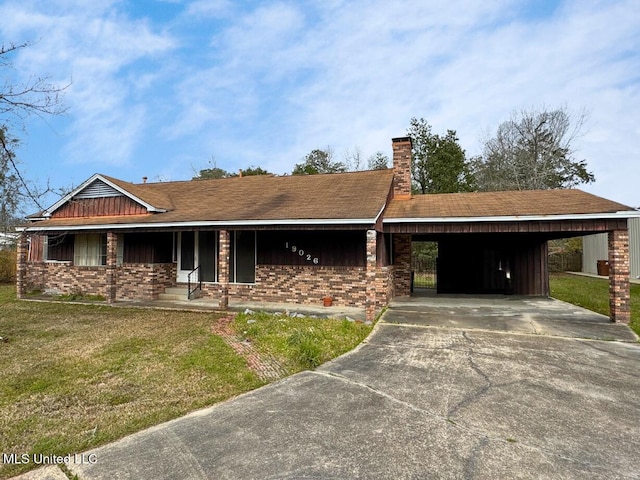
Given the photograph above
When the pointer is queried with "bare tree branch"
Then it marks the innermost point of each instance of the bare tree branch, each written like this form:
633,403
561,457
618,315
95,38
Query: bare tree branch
18,100
37,95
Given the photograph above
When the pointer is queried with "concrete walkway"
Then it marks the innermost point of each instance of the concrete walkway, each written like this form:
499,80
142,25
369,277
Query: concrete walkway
443,388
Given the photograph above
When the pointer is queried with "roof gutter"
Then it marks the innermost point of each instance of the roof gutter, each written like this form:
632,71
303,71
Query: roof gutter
517,218
39,227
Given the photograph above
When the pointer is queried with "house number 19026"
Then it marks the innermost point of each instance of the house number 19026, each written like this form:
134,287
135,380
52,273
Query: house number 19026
302,253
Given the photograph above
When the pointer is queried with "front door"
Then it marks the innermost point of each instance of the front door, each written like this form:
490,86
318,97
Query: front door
197,249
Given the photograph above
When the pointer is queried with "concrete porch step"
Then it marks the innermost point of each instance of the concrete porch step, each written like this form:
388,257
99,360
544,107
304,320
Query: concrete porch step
176,293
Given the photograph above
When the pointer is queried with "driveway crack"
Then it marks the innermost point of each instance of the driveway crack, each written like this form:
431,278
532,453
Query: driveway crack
476,368
482,436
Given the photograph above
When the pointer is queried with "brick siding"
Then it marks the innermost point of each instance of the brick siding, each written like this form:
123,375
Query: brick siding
401,167
300,284
619,288
132,281
144,281
402,261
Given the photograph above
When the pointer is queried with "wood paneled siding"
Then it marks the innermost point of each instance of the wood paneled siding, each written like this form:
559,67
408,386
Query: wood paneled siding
99,207
138,247
319,248
383,250
479,264
530,268
555,228
148,247
36,247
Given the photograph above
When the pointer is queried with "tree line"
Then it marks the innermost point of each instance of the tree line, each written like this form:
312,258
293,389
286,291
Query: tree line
533,150
318,161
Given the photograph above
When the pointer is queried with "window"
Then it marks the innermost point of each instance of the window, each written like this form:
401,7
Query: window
242,268
90,250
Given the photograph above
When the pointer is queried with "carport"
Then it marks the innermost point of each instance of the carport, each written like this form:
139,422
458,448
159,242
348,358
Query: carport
496,242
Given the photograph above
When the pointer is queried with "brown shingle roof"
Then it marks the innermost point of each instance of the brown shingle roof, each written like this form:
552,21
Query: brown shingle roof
152,196
346,196
502,204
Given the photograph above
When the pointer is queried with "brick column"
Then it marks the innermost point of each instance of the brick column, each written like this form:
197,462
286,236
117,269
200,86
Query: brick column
401,167
370,275
402,264
619,289
223,267
112,259
21,266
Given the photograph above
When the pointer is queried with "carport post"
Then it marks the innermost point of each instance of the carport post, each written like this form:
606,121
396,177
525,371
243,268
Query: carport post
619,289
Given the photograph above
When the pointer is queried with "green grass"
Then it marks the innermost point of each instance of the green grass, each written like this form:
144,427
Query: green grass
424,280
592,294
300,343
77,376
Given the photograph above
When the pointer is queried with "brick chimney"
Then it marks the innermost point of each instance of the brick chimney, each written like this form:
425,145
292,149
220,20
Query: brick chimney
401,167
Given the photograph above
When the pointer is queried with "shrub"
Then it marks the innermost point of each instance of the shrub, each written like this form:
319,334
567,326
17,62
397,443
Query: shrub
7,266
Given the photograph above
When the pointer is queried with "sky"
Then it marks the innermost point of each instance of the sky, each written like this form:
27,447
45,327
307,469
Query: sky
164,88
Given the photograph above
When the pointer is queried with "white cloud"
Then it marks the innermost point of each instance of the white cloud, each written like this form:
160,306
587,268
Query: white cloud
209,8
93,45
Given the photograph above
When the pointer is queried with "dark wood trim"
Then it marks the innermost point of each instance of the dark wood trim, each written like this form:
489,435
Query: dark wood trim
575,227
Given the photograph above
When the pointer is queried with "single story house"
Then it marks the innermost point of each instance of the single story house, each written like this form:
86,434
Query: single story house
595,250
301,238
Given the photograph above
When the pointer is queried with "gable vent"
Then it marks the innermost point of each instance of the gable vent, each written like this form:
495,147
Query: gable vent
98,189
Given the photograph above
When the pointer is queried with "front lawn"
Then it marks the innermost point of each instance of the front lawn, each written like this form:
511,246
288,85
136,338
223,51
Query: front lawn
592,294
77,376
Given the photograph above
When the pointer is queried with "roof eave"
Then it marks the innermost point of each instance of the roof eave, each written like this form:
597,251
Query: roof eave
516,218
41,226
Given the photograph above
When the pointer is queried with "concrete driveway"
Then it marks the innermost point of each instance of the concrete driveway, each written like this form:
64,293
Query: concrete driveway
443,388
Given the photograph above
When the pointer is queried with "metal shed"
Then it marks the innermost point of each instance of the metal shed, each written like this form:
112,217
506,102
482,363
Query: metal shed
594,249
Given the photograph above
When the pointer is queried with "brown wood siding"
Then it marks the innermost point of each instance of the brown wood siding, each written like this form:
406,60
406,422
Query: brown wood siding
331,248
36,246
479,264
383,250
148,247
555,228
99,207
530,271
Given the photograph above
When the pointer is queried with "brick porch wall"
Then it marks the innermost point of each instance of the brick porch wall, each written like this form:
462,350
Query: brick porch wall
144,281
132,281
301,284
65,278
